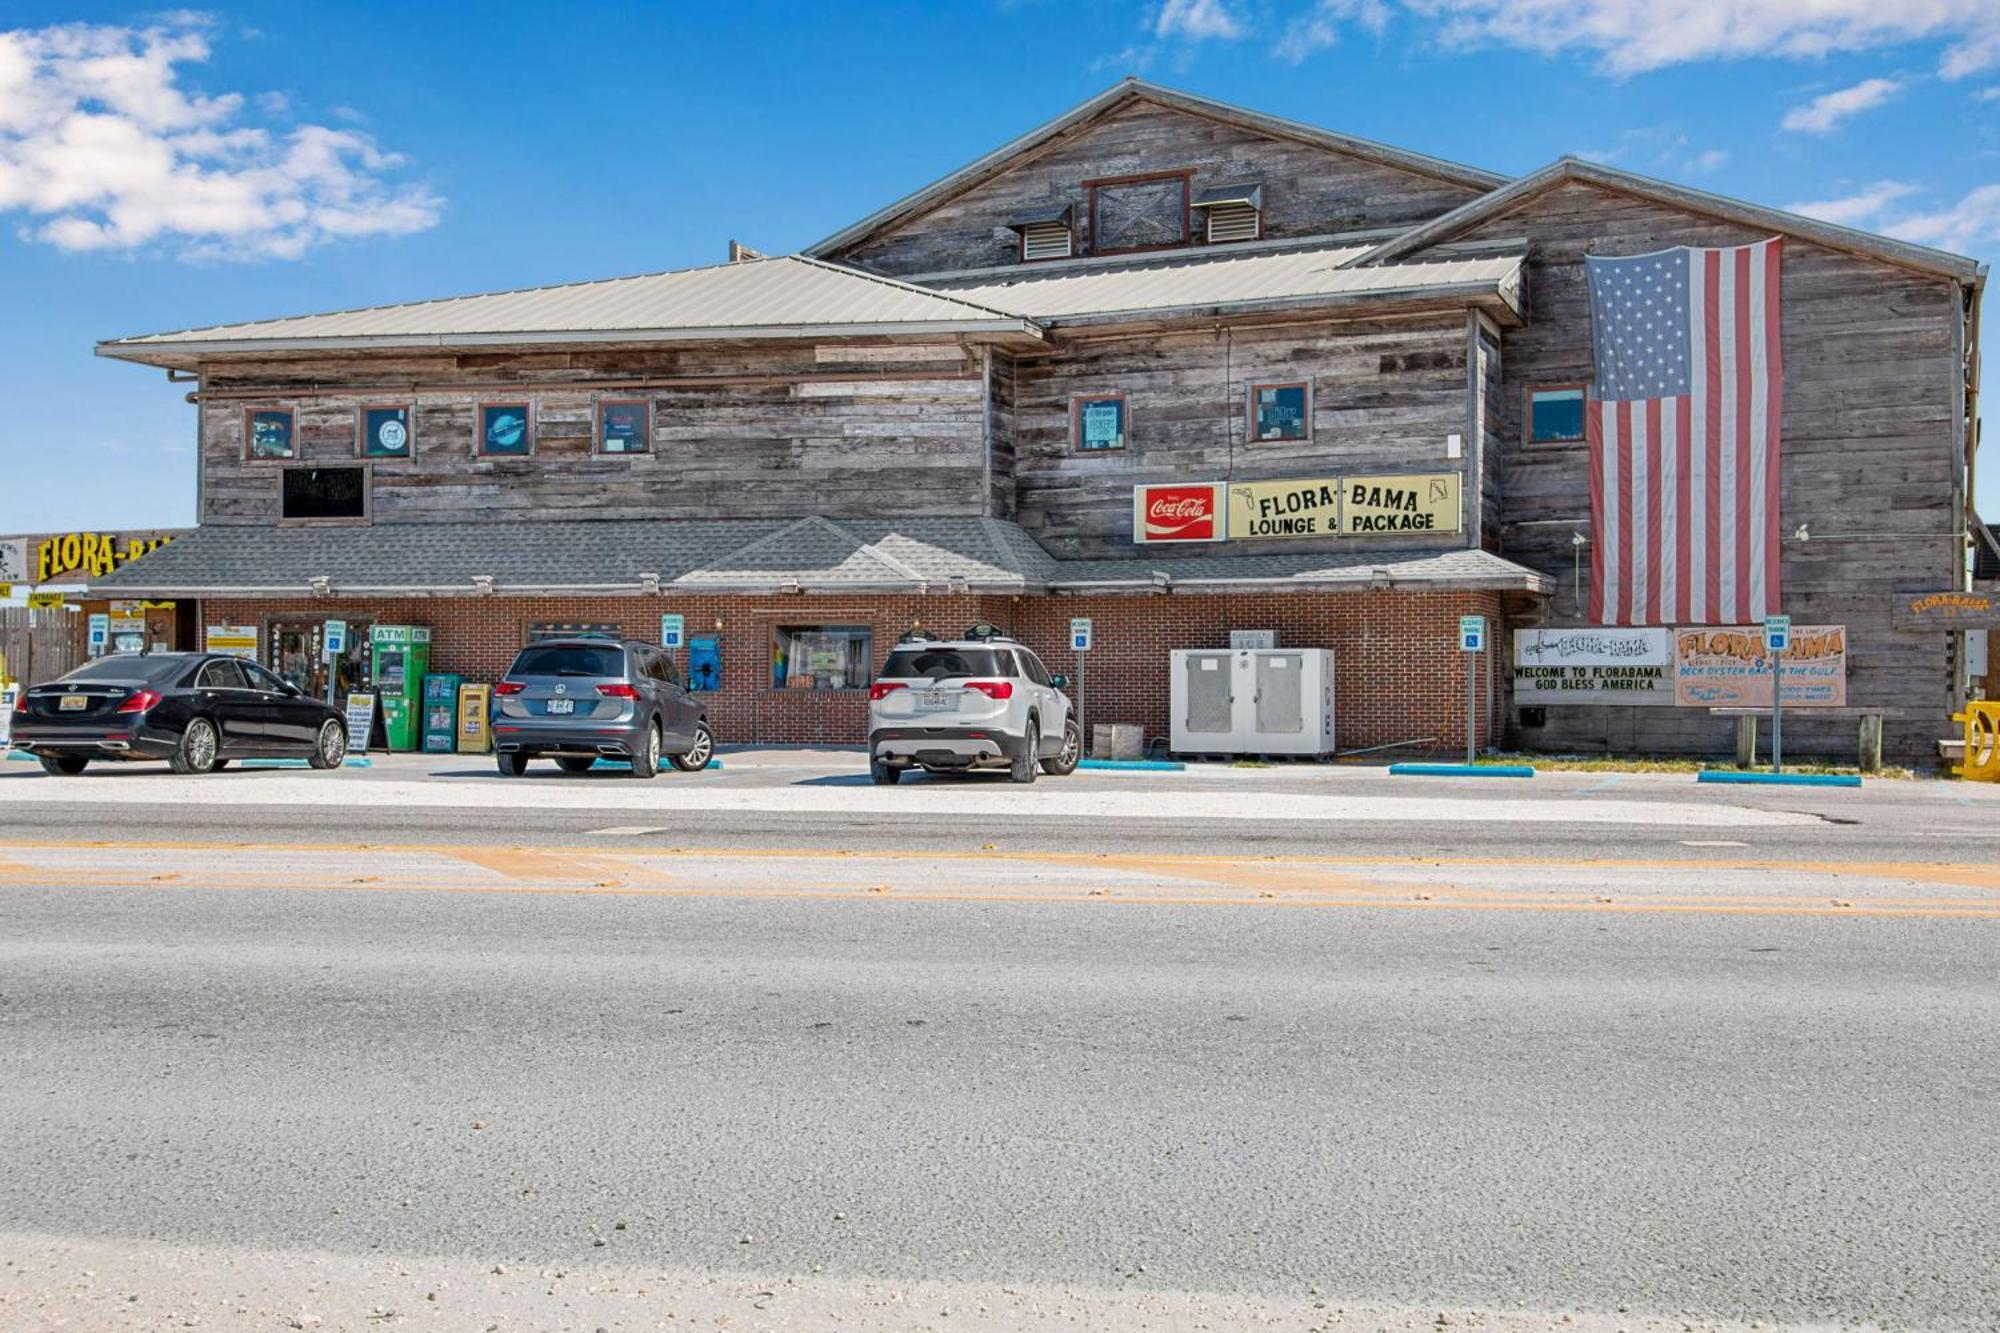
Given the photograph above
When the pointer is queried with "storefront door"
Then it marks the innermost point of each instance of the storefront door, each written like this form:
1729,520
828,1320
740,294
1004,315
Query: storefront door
296,650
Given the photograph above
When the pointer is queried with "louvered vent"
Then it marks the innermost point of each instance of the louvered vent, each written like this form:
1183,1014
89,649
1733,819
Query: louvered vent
1045,240
1232,222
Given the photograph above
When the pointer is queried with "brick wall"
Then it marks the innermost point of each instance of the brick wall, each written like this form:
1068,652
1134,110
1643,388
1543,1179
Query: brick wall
1398,671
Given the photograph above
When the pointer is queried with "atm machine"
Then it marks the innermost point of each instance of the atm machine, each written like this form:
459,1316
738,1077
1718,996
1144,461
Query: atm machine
402,659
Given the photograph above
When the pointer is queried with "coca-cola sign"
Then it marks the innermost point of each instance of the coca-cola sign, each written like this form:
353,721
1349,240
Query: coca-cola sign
1178,513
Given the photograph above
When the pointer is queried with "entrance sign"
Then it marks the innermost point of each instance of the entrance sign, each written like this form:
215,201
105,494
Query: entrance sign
1472,633
1423,503
673,631
235,640
1265,509
45,601
1594,666
360,722
1181,512
1728,668
1079,634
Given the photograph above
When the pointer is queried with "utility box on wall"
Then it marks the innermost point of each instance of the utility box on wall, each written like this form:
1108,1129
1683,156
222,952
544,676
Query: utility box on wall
1252,701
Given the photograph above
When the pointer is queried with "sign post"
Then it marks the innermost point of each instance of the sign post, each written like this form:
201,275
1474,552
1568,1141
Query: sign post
1777,640
333,644
1080,632
1471,639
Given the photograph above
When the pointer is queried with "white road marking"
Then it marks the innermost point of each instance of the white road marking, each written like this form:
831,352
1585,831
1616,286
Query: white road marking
1711,842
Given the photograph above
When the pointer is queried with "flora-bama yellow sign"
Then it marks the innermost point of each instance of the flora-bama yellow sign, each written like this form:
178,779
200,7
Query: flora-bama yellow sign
75,556
1345,506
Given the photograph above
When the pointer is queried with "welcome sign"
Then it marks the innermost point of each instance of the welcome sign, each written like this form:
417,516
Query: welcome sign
1594,666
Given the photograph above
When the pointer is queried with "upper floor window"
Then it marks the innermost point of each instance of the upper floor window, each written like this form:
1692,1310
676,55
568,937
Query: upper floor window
386,432
1139,212
1231,213
1097,422
1555,413
323,493
1046,232
270,432
624,426
1281,411
505,429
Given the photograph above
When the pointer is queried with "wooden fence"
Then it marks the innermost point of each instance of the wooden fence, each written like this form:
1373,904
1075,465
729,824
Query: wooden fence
39,645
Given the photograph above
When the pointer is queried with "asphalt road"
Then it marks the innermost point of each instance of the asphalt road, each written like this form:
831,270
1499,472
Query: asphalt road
1780,1115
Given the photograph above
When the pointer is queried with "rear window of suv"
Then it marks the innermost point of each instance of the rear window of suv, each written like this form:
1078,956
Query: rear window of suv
570,659
943,663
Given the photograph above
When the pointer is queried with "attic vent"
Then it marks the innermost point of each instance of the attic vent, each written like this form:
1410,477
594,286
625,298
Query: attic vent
1045,232
1232,212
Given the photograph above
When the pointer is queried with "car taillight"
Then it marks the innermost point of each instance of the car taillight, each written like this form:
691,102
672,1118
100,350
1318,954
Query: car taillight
618,691
509,687
882,689
21,701
992,689
139,702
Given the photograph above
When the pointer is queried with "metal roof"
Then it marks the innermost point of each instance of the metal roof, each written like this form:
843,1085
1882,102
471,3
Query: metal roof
746,556
786,296
1228,280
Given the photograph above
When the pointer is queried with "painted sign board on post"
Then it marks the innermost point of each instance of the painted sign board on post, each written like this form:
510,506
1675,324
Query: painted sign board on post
1729,668
1079,634
673,631
1594,665
1472,633
360,722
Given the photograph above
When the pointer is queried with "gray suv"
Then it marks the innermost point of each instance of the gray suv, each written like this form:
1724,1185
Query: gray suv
978,702
578,700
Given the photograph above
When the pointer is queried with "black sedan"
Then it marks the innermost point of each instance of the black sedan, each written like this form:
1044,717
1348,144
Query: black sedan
197,711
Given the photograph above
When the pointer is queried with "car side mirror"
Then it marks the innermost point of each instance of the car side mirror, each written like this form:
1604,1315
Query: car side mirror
1060,681
291,691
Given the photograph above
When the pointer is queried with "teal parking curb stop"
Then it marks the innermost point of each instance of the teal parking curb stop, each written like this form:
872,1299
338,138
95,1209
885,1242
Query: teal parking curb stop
622,764
1133,765
1779,779
353,761
1461,770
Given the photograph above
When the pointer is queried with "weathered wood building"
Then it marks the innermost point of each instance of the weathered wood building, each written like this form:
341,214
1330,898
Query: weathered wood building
1164,362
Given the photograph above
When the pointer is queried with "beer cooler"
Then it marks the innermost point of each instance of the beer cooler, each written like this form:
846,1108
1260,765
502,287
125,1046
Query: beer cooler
1252,701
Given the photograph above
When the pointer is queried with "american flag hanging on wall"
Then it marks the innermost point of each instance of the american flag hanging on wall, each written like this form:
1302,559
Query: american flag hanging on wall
1683,434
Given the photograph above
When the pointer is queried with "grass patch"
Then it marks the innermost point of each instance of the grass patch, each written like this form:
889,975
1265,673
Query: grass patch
1250,763
1598,763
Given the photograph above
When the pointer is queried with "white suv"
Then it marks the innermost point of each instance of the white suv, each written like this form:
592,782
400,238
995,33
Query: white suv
981,701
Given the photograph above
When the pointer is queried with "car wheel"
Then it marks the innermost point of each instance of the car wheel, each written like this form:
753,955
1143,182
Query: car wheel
1026,764
1066,758
65,765
647,761
884,774
330,750
512,764
198,749
575,763
698,754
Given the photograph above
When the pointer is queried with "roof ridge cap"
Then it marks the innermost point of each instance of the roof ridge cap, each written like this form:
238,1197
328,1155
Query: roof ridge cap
900,285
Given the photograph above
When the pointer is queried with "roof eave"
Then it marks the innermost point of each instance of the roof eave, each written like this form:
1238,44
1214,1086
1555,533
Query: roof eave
1493,296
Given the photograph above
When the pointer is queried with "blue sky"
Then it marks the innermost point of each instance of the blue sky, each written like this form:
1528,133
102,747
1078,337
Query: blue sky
268,159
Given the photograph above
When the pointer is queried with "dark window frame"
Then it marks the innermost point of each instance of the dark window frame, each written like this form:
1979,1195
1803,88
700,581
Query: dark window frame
597,443
527,406
361,412
1528,411
250,414
1250,411
1091,188
1076,402
367,514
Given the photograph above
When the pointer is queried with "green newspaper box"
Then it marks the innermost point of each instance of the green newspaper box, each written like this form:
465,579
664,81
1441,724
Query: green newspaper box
402,659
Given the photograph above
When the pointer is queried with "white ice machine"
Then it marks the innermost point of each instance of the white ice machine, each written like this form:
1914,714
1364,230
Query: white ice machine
1252,701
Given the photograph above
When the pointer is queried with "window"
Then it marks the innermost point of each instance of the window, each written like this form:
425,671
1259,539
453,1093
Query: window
505,430
308,493
1231,213
219,675
1281,411
1031,666
1097,423
261,679
624,426
821,657
1555,413
1138,212
149,670
270,432
941,663
385,432
570,659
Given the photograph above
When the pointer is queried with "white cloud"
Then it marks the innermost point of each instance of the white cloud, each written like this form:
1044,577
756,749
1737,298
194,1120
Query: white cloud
1713,159
1630,36
1197,20
1858,209
1320,29
103,147
1824,112
1987,94
1970,223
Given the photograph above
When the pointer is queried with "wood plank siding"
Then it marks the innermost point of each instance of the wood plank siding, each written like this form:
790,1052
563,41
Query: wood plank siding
1309,190
1869,465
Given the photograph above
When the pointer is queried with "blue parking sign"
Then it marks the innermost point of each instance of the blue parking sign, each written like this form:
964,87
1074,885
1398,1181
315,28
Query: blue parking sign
673,631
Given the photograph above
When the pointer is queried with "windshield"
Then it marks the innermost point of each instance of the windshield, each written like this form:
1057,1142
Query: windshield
570,659
942,663
131,667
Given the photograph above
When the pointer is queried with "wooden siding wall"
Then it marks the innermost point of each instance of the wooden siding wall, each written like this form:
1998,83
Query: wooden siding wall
1484,444
1868,462
1308,190
1385,395
861,431
1002,498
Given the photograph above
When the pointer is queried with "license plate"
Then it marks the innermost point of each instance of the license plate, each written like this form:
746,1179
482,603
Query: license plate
74,703
562,705
937,701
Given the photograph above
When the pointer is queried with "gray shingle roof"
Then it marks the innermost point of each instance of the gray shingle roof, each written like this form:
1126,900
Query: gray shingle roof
730,555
